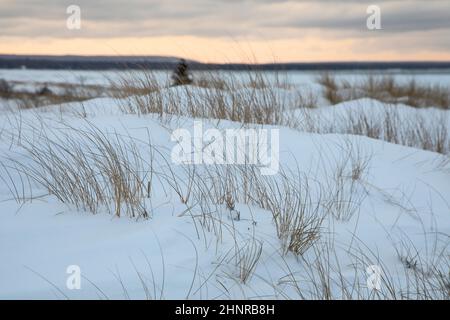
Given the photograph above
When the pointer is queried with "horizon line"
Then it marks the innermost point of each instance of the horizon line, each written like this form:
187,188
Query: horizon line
169,57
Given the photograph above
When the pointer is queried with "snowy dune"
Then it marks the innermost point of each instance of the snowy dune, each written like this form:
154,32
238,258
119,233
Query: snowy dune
399,217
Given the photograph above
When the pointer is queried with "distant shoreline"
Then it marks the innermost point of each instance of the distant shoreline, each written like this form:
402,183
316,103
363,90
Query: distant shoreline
168,63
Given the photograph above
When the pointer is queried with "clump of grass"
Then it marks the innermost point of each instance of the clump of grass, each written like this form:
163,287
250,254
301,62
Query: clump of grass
295,207
138,93
413,130
386,89
323,275
247,99
306,100
331,88
345,196
246,258
344,169
89,169
44,96
296,212
210,80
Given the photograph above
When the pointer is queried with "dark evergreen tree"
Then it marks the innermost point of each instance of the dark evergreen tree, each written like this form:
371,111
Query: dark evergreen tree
181,74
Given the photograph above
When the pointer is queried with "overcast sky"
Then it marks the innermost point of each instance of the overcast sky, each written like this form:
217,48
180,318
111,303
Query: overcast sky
230,30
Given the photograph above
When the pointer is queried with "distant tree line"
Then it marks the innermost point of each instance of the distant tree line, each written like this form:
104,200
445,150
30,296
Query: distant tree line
107,63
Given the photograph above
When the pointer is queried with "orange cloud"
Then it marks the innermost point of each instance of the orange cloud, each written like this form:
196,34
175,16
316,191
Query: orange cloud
307,49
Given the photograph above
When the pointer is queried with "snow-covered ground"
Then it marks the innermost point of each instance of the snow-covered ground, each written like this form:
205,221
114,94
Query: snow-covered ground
31,78
396,198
